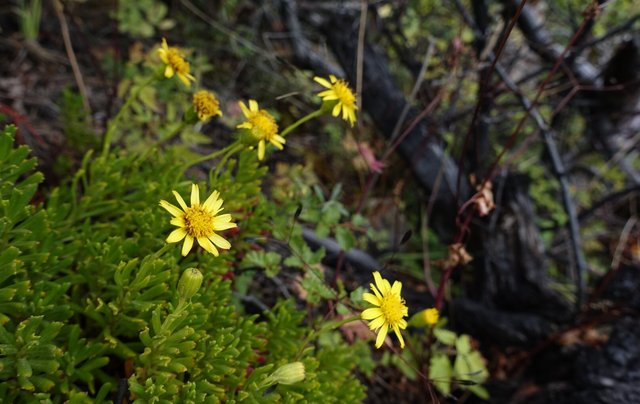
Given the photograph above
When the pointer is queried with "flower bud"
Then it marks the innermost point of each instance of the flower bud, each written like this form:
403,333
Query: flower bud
431,316
189,283
288,374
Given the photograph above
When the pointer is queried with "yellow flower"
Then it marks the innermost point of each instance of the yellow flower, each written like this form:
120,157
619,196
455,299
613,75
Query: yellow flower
199,221
431,316
339,90
175,62
262,125
206,105
390,311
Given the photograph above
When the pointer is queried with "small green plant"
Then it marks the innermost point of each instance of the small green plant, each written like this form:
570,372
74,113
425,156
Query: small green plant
29,16
142,18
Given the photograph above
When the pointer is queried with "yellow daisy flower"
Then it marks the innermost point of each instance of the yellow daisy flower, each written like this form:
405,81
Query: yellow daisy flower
206,105
175,62
390,309
431,316
199,222
338,90
262,125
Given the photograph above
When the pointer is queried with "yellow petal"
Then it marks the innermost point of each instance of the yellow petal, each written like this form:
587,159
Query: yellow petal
402,324
217,207
253,105
171,209
382,334
396,288
345,113
279,139
178,221
323,82
378,322
220,241
208,246
185,79
219,226
168,72
336,110
261,148
176,235
186,247
211,201
370,314
397,331
375,291
378,279
195,195
245,110
373,299
332,78
163,55
328,95
276,144
183,205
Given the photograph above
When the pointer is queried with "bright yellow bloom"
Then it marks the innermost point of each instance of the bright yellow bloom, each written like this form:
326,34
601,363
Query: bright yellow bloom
175,62
390,309
431,316
339,90
206,105
262,125
199,222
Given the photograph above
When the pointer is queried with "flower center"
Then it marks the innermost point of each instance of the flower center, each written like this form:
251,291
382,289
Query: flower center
205,104
198,221
393,308
343,93
264,126
177,62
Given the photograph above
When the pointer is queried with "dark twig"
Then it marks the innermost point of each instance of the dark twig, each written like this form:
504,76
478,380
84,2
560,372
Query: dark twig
487,76
302,50
355,257
539,39
613,197
560,173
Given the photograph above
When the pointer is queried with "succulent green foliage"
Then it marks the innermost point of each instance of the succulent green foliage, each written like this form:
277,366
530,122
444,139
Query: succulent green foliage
327,365
90,295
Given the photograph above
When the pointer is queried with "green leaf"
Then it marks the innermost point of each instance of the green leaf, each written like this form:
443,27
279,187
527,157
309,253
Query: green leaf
440,373
445,336
463,344
270,261
345,238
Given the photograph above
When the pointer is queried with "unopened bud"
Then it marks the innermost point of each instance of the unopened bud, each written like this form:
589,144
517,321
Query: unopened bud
431,316
289,374
189,283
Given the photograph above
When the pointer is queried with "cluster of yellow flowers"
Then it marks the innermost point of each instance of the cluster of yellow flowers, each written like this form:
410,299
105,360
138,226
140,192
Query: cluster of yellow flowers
259,123
202,222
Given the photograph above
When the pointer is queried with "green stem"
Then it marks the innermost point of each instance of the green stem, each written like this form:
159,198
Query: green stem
167,324
300,121
327,327
233,146
162,140
170,136
226,157
113,124
161,251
